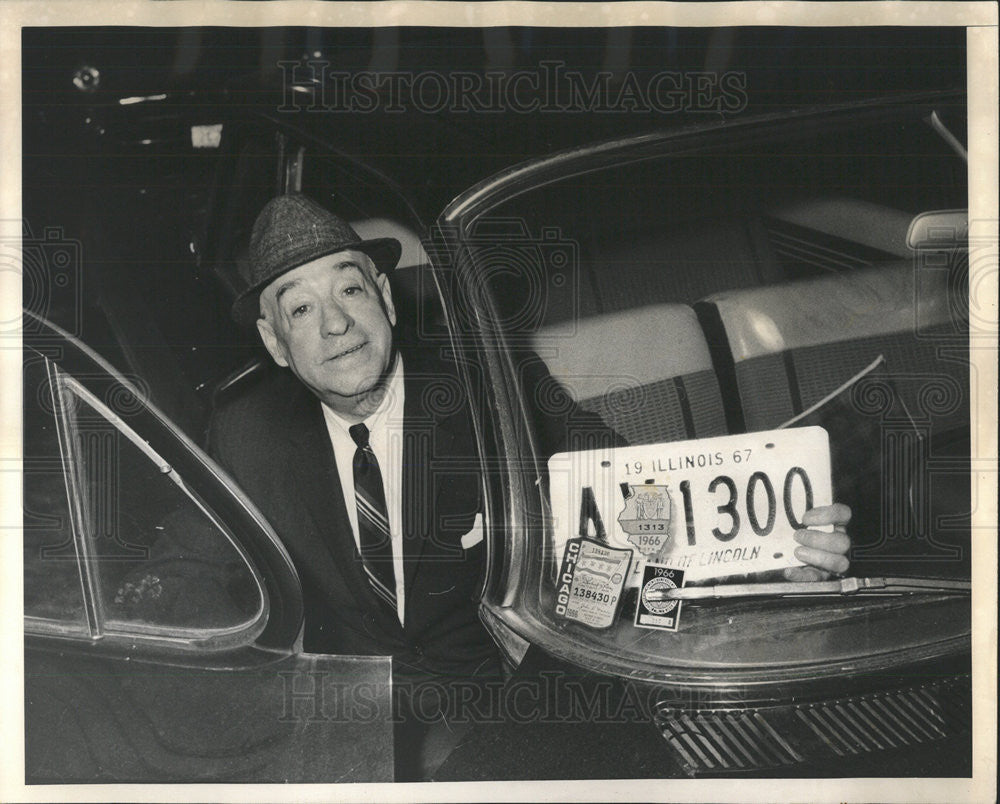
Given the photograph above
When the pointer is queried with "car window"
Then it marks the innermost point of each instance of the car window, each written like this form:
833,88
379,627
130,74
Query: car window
53,587
349,189
679,229
712,293
156,562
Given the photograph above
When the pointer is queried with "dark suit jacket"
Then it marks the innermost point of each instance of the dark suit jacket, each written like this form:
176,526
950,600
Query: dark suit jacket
274,441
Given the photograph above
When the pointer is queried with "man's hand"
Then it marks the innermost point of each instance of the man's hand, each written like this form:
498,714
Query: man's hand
825,553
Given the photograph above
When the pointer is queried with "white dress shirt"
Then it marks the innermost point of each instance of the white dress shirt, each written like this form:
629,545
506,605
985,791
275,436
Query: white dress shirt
385,428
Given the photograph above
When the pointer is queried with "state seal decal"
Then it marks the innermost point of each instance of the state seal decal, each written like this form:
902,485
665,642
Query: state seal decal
646,516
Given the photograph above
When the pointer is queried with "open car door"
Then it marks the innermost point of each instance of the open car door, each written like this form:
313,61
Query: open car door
161,612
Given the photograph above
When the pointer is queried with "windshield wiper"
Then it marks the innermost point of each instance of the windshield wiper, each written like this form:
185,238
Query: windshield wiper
842,586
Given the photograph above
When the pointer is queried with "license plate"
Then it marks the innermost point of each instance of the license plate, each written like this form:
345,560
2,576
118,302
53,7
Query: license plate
712,507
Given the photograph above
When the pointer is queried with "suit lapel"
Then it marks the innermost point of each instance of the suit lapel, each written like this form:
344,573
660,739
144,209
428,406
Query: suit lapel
313,477
428,439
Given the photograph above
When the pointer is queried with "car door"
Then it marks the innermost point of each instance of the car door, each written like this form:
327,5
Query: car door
161,613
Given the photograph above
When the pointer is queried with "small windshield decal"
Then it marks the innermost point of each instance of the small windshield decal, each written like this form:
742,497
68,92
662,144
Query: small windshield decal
654,609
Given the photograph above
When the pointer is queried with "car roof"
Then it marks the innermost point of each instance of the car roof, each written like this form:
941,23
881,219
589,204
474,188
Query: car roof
149,81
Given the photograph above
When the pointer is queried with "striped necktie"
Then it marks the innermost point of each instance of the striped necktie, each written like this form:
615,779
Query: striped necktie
373,519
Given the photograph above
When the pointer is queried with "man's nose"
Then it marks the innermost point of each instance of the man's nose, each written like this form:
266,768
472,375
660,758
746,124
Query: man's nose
335,320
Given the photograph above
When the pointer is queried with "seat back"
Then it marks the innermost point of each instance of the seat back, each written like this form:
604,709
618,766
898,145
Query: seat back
413,291
662,386
794,343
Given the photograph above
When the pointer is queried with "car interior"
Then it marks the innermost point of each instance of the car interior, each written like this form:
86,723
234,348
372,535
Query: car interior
697,294
703,275
743,288
719,293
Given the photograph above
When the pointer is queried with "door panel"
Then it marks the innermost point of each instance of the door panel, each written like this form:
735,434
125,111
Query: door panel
301,718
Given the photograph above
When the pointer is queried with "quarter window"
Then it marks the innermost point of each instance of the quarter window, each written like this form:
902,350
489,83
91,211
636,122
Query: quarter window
53,587
156,563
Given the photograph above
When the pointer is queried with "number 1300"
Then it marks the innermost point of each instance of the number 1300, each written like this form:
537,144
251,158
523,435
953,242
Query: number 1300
729,508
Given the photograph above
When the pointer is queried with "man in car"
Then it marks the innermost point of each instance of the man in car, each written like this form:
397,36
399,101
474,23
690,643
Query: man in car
360,453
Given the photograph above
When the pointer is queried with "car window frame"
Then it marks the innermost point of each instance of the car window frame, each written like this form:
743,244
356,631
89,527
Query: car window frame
82,627
278,625
66,386
512,449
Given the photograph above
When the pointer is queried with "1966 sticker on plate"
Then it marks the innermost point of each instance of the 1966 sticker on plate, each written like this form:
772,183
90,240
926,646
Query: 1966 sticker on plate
712,507
652,611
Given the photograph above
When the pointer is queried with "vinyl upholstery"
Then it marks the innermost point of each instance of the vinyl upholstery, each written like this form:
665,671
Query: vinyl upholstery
794,343
647,372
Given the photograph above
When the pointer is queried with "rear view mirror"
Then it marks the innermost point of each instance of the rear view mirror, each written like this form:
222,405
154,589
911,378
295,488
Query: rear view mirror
939,230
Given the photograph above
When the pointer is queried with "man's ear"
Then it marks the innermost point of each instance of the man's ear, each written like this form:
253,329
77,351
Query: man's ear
271,342
386,291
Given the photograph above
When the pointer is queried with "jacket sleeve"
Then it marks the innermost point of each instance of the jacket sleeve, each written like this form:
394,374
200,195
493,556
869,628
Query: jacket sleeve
235,442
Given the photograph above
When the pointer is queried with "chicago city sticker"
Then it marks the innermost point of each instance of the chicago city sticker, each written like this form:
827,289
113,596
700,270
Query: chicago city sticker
589,588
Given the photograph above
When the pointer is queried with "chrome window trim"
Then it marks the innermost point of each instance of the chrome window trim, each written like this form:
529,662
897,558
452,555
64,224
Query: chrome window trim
78,516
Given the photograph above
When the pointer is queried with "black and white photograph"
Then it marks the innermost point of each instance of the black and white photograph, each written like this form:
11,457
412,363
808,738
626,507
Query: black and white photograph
487,401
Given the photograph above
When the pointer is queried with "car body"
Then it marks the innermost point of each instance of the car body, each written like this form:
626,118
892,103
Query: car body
685,283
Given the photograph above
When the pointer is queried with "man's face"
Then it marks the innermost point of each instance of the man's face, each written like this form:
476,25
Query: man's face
330,322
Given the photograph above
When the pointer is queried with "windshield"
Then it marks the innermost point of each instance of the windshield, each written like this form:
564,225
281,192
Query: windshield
694,349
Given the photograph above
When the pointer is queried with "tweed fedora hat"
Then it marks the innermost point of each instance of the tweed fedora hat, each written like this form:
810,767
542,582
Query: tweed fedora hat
292,230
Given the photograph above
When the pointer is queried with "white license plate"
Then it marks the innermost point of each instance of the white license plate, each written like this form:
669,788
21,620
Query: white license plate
712,507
